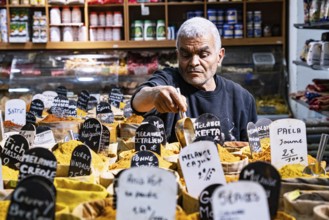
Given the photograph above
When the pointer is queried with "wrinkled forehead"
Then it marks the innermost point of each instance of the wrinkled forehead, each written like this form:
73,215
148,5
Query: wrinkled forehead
196,43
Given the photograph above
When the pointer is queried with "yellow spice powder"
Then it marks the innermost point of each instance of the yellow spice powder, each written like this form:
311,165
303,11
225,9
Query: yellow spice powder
226,156
9,174
4,205
292,171
64,151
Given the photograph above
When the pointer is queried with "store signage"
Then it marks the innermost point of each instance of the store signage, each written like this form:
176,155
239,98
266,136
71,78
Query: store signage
61,90
50,96
30,118
105,140
15,111
92,102
12,153
33,198
240,201
144,159
267,176
90,133
142,193
29,132
127,110
60,106
104,112
208,125
83,98
80,164
253,138
263,127
115,97
37,107
72,111
205,209
148,137
288,142
156,121
38,161
44,135
201,166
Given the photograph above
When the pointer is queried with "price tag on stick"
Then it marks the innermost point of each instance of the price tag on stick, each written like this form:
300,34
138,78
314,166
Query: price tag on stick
288,142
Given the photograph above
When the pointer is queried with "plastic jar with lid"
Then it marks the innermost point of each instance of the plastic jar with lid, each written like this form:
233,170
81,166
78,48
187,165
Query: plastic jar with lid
67,34
55,15
212,15
220,16
108,35
92,34
137,32
66,15
100,34
116,34
117,19
55,34
161,30
257,30
93,19
101,19
231,16
250,29
149,30
109,18
257,16
76,15
228,31
238,30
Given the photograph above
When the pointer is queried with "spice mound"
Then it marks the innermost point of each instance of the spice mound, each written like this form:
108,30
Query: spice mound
226,156
54,118
136,119
294,171
9,174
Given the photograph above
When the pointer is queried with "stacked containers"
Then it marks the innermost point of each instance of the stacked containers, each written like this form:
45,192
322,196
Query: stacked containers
254,24
105,26
3,25
147,30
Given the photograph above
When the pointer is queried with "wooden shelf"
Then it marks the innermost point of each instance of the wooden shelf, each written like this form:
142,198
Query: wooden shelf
314,67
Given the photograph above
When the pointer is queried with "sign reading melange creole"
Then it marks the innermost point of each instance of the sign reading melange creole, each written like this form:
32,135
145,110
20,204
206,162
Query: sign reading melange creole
38,161
80,161
12,153
60,106
142,193
288,142
148,137
201,166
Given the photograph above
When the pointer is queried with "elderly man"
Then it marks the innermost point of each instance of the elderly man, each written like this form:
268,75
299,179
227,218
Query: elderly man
199,54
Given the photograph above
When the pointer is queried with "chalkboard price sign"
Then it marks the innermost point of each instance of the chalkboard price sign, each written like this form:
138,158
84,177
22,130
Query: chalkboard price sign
92,102
12,153
115,97
205,209
83,98
263,128
30,118
37,107
61,90
127,110
253,138
144,159
72,111
60,106
267,176
148,137
156,121
33,198
105,139
38,161
208,125
104,112
80,161
90,133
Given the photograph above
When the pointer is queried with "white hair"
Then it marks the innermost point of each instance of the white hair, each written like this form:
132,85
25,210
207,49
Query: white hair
198,27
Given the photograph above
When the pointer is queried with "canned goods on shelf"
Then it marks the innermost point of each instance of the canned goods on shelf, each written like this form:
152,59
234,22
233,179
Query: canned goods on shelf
137,30
250,16
228,30
83,33
238,30
220,16
257,30
257,16
212,15
198,13
190,14
220,28
231,16
116,34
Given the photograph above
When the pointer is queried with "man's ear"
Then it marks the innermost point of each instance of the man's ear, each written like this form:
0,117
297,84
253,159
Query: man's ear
221,55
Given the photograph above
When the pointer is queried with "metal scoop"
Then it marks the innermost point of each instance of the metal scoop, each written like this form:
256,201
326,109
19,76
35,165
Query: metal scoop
315,169
184,128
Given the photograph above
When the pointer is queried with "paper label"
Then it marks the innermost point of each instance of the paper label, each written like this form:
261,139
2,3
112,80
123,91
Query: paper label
288,142
44,137
201,166
15,111
146,193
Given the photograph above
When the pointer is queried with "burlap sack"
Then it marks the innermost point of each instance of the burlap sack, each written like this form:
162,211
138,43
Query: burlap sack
61,129
231,168
300,204
288,185
128,130
321,212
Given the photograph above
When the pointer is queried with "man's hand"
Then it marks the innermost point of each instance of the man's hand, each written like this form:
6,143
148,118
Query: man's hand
162,98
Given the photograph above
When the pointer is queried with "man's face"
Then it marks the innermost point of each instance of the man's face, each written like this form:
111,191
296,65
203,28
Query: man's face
198,61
